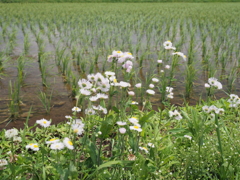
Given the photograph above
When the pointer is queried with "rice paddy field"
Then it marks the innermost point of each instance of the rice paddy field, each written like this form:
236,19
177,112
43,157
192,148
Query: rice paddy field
119,91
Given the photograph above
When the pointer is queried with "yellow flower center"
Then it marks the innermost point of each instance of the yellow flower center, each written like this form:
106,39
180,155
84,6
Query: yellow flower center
118,51
144,148
31,144
35,145
75,130
136,127
52,139
129,53
70,143
115,80
134,117
44,122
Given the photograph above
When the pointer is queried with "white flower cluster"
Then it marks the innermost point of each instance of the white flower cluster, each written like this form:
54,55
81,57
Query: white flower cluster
169,46
169,92
77,126
136,126
212,109
33,146
55,144
175,114
234,100
13,134
124,58
94,83
213,82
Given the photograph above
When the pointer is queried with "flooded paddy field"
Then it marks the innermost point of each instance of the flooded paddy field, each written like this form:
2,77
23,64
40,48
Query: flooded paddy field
46,48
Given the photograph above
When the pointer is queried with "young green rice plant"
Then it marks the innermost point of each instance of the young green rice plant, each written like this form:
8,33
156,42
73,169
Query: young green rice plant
232,77
191,47
46,100
43,68
26,43
21,62
190,77
14,95
59,54
65,64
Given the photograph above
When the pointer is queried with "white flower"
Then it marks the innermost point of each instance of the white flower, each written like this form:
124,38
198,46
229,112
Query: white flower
136,128
138,85
43,122
77,129
144,149
180,54
78,123
57,146
110,58
155,80
85,92
124,84
175,114
151,145
17,139
133,120
90,111
170,95
219,111
205,109
160,61
102,96
134,102
11,133
3,162
117,54
68,143
53,140
215,83
151,85
91,78
109,73
207,85
169,89
121,123
68,117
93,98
167,67
33,146
122,130
151,92
187,136
76,109
131,93
127,64
84,84
167,44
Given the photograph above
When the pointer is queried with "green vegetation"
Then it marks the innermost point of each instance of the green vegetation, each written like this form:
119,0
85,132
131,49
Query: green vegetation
127,76
109,1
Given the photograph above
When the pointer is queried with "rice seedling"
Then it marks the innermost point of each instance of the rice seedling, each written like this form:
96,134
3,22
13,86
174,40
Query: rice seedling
46,100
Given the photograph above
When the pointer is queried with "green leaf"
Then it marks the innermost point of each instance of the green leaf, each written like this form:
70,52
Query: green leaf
146,117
